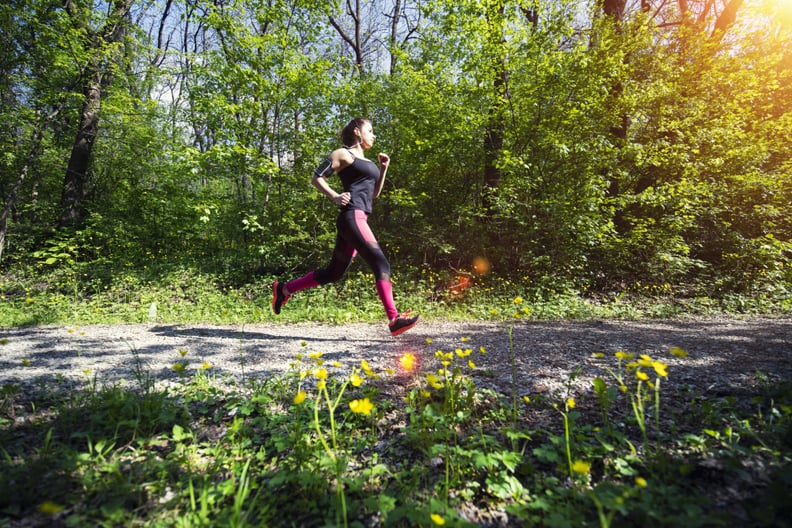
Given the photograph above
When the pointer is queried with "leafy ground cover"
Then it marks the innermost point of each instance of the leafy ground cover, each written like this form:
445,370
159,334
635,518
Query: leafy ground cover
330,444
333,444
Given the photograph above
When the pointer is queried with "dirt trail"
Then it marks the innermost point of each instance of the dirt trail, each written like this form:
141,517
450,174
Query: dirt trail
724,354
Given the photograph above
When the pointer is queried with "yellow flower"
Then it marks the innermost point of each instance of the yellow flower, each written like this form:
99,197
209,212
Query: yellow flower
299,397
320,373
356,380
640,481
571,403
643,376
434,381
336,364
527,399
580,467
408,361
439,521
471,364
483,350
645,361
363,406
678,352
428,340
660,368
50,508
321,384
315,355
366,368
518,300
464,339
599,355
182,352
426,394
624,355
206,365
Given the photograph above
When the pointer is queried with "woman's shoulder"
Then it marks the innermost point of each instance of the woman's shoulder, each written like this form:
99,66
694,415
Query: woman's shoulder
341,159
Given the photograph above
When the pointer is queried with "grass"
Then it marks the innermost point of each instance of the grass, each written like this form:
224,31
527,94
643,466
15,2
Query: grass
183,295
330,444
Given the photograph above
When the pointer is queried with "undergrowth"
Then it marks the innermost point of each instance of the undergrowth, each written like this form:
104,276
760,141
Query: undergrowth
419,444
183,295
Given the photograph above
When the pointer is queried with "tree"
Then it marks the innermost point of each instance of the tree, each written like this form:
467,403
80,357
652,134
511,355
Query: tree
104,47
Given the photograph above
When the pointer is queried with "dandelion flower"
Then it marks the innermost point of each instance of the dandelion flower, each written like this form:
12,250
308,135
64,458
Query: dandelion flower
439,521
643,376
623,355
464,339
363,406
471,364
428,340
434,381
356,380
482,350
571,403
206,365
580,467
527,399
408,361
640,481
315,355
299,397
518,300
678,352
320,373
660,368
50,508
321,384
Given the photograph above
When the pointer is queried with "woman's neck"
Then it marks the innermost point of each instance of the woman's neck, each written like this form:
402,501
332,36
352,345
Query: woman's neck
357,151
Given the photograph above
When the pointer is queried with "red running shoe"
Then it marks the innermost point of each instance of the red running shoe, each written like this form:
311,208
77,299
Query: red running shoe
402,324
278,297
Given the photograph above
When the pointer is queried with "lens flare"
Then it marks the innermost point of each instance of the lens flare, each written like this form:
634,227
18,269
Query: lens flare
481,265
408,362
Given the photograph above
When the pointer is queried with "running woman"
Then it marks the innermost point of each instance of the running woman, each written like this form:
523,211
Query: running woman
362,180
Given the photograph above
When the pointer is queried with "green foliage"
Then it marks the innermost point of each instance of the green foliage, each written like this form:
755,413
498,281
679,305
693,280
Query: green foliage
632,158
328,443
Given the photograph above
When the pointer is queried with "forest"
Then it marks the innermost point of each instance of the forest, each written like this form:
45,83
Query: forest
599,148
589,203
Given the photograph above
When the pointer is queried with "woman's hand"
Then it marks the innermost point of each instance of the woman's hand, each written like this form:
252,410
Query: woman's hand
384,160
342,199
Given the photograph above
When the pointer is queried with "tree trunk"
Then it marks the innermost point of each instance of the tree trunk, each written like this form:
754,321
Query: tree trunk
97,78
38,134
76,178
496,128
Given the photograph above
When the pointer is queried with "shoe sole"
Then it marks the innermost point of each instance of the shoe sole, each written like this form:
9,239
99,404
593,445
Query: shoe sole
404,328
275,297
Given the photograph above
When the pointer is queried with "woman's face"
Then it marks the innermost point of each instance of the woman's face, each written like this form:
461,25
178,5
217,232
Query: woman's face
367,137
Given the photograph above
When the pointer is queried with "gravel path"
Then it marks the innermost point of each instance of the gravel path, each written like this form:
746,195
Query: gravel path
724,354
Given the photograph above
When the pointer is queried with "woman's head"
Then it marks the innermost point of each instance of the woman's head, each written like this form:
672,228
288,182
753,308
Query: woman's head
358,132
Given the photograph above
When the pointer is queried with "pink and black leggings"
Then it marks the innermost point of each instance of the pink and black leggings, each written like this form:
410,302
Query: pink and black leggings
354,236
